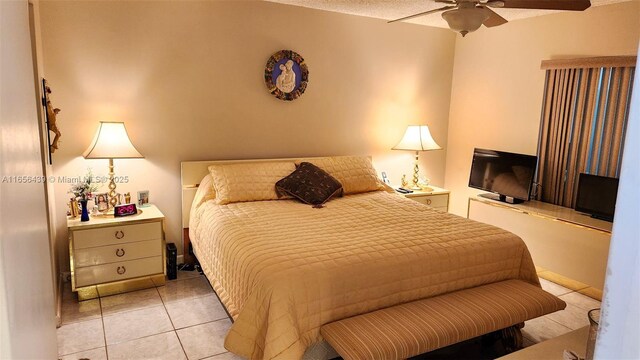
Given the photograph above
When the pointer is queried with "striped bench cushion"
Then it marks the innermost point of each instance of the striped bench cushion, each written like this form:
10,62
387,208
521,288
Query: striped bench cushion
417,327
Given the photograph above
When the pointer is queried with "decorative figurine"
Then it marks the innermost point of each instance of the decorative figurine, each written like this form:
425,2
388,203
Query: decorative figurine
403,181
424,184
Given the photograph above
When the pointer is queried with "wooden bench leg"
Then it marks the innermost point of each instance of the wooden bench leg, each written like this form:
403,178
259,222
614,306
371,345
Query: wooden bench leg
512,337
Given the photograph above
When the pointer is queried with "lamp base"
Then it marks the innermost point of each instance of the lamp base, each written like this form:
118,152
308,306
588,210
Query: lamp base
113,201
416,173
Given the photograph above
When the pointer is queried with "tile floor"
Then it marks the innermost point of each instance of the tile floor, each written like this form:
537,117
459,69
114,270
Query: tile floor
181,320
185,320
573,317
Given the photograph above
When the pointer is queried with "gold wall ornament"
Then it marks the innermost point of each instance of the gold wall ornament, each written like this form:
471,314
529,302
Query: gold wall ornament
51,118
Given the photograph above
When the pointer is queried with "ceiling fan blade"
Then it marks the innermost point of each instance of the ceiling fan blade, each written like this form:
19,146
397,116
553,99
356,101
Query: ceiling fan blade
494,19
574,5
452,2
422,13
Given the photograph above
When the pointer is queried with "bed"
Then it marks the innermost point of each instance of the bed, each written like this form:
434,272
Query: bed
284,269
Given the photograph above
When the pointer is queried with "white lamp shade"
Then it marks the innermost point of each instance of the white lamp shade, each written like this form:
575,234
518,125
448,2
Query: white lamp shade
111,142
417,138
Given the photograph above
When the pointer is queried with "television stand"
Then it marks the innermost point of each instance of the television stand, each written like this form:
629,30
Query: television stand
560,240
502,198
602,217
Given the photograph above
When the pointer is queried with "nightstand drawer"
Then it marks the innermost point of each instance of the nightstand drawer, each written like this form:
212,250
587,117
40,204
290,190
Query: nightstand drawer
98,274
117,253
116,235
435,201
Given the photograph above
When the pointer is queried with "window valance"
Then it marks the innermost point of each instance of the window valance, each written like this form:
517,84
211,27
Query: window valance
589,62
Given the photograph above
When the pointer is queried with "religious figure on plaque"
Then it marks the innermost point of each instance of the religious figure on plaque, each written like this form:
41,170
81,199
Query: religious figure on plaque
286,81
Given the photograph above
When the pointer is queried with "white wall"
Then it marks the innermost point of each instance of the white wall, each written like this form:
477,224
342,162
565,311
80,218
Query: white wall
187,79
620,330
27,317
496,97
38,66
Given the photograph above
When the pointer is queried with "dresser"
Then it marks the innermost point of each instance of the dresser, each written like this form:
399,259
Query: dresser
438,198
568,247
114,255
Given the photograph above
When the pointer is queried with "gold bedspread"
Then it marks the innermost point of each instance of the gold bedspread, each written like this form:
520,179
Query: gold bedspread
283,269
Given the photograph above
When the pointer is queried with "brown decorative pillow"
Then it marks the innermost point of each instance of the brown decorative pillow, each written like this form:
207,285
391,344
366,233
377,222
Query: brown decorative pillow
309,184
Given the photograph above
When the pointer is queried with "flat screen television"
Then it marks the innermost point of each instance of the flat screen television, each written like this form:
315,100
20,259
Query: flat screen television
597,196
507,174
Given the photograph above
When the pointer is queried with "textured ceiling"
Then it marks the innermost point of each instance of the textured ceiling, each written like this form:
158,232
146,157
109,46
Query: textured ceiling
393,9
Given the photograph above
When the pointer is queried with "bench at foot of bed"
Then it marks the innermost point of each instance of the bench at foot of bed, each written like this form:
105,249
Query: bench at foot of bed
417,327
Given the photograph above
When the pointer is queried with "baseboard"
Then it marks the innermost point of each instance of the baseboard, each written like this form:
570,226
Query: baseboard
180,259
61,279
574,285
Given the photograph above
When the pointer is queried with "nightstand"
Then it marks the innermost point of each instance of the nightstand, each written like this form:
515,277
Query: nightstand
437,199
114,255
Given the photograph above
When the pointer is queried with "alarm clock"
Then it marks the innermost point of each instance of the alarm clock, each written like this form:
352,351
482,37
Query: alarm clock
125,210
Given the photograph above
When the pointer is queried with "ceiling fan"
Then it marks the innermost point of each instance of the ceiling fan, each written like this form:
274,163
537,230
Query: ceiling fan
465,16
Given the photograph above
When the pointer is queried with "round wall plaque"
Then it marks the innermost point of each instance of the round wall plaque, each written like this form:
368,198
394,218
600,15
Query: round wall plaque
286,75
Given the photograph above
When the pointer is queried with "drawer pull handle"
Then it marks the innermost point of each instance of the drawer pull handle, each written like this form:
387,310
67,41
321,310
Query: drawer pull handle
121,270
428,201
119,234
119,252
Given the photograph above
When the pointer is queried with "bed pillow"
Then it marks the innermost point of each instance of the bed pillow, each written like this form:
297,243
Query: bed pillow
309,184
251,181
355,173
205,192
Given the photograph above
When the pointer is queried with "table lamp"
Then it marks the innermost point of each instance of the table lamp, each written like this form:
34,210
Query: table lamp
417,138
111,142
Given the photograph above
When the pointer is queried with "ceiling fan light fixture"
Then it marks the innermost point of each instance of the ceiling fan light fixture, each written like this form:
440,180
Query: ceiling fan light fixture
465,19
